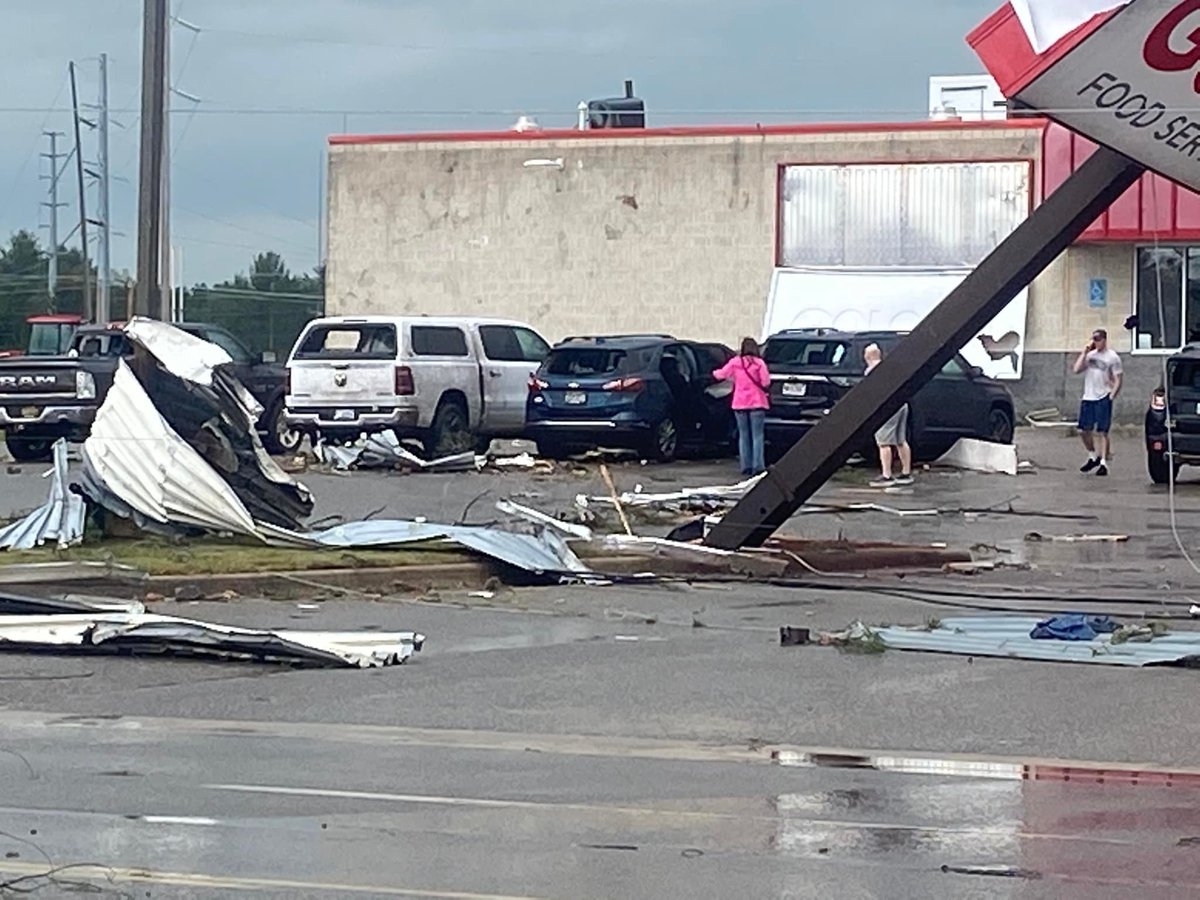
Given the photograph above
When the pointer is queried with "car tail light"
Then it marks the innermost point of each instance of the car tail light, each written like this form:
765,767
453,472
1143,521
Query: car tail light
1158,401
626,385
536,385
404,382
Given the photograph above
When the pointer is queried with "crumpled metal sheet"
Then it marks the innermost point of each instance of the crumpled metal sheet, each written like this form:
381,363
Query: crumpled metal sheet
183,355
135,465
1008,637
689,499
59,520
384,451
17,604
542,553
105,632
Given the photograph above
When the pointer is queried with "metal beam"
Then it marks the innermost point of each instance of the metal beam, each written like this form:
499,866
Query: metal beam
1020,258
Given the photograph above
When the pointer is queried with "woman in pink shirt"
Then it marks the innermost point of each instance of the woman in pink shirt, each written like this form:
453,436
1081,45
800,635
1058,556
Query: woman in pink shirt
751,381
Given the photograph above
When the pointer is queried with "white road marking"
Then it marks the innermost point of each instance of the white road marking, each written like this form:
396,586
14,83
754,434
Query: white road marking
178,820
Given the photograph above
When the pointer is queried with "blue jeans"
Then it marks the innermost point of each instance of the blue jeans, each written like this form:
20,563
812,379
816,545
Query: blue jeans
751,453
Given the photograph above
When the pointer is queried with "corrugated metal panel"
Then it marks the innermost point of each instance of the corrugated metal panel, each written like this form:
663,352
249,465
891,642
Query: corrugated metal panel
1008,636
910,214
1154,209
60,519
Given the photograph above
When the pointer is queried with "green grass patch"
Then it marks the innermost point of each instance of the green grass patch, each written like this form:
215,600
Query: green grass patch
212,556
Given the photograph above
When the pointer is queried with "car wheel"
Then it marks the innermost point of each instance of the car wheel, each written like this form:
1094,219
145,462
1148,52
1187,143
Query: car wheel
29,449
1000,426
280,439
664,442
1159,468
450,432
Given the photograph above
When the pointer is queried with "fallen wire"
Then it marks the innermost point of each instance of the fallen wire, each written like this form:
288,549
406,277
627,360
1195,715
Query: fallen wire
51,876
46,677
32,771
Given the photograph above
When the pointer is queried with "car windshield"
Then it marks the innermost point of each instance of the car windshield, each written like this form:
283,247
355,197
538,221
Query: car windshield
807,352
346,341
585,361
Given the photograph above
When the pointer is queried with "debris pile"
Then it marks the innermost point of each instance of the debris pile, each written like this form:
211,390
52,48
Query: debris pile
175,450
1073,638
31,624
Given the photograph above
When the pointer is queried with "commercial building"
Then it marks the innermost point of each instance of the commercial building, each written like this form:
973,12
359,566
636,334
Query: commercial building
719,232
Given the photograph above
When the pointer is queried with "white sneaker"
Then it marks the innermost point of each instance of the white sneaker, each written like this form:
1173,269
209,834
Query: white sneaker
882,482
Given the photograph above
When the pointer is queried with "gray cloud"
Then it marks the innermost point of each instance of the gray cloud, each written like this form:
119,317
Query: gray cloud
245,181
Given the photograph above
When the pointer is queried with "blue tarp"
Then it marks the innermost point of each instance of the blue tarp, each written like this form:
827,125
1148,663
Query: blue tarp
1073,627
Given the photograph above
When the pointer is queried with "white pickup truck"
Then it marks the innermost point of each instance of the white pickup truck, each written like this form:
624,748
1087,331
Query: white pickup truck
453,383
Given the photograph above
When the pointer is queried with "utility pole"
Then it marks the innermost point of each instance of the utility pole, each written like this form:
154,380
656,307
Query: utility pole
104,282
88,309
53,205
153,155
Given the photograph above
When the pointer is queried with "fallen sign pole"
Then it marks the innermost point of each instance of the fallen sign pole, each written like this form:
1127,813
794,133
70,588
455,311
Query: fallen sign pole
1010,268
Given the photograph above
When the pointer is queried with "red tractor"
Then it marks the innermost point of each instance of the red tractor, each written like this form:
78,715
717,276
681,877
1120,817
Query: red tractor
49,335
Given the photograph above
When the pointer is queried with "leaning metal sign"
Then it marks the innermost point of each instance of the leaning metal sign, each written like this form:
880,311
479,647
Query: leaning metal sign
1131,84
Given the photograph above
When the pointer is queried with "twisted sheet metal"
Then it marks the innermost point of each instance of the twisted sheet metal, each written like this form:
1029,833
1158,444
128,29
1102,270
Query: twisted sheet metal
59,520
1008,637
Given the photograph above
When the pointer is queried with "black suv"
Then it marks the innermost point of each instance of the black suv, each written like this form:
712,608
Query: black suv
811,369
1166,454
650,393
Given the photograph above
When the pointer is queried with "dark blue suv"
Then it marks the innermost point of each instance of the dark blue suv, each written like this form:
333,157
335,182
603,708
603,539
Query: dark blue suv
649,393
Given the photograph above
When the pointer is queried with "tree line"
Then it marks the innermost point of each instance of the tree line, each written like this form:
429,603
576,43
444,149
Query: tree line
265,305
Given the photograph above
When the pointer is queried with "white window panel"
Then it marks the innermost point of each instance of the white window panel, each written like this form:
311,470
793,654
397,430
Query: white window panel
910,214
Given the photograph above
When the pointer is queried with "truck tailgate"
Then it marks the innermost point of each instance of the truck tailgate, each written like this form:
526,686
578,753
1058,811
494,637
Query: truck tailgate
353,383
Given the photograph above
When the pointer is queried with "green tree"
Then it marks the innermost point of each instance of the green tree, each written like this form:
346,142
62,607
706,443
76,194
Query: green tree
24,269
267,306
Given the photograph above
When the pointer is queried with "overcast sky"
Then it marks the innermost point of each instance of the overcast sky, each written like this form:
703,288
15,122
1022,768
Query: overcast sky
276,77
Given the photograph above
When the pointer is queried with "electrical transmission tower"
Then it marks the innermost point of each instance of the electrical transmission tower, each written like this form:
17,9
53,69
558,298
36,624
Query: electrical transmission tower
54,206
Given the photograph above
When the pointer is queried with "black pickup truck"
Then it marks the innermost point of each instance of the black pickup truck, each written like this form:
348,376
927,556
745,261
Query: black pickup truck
43,399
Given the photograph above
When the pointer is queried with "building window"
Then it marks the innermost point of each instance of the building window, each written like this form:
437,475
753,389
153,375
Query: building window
1168,298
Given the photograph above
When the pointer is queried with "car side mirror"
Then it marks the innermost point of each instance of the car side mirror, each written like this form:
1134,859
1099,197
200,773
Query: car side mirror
268,357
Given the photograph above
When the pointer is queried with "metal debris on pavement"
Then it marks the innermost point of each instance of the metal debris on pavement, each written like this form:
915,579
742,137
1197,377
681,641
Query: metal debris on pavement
384,451
102,632
981,456
60,520
701,499
1035,537
1009,637
17,604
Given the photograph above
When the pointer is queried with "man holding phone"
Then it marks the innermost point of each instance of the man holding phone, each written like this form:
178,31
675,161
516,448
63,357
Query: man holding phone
1101,370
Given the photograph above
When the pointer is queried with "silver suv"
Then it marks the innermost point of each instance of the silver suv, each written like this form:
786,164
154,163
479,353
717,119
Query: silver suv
453,383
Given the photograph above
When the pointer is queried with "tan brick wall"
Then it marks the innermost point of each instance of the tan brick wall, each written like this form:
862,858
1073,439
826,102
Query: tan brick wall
1060,318
633,234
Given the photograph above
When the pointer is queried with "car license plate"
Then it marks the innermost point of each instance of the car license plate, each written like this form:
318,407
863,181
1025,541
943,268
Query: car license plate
576,398
344,415
795,389
30,412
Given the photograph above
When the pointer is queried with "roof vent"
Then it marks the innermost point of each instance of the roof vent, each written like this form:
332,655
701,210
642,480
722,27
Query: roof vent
526,123
617,112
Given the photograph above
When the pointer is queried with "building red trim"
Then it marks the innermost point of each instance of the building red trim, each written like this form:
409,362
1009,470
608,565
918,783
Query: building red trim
689,131
1154,209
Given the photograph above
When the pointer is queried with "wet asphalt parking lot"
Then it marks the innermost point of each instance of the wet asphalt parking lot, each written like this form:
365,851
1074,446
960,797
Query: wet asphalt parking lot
584,742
